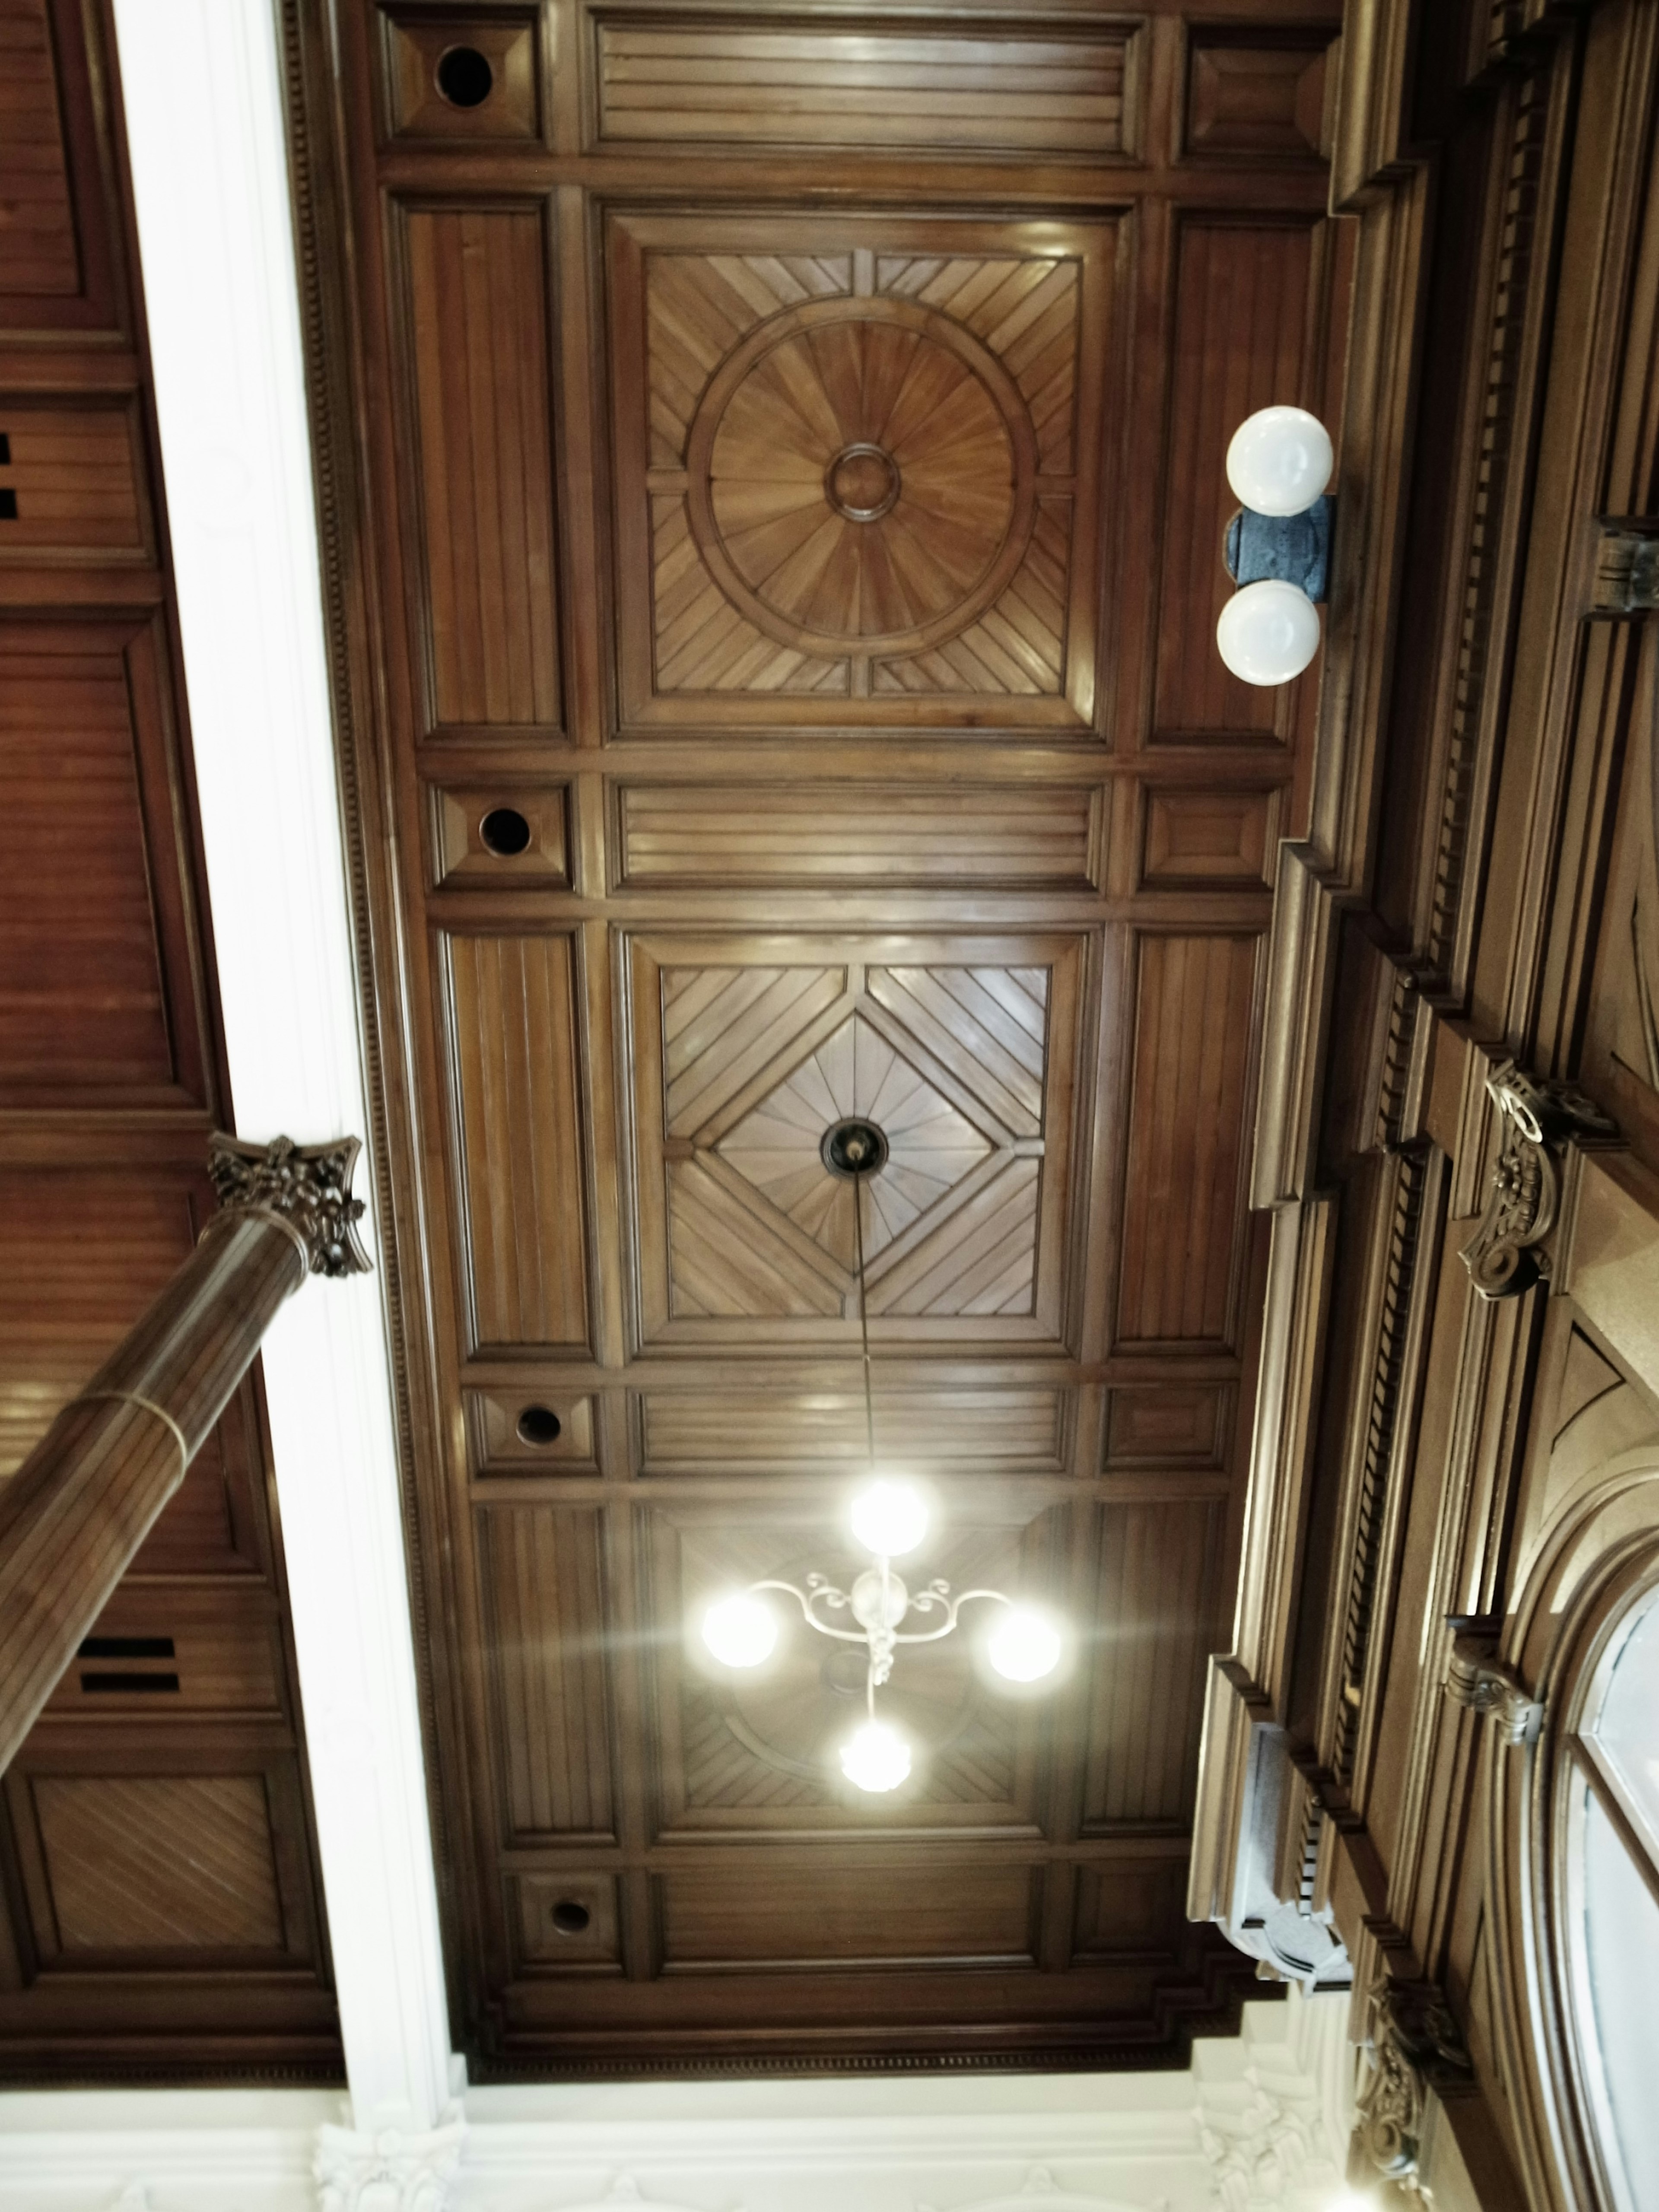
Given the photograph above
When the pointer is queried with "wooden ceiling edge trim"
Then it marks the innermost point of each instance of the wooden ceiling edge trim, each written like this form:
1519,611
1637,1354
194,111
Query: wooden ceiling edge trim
267,778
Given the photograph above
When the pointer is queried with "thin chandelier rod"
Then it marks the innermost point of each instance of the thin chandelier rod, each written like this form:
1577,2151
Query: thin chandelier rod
864,1321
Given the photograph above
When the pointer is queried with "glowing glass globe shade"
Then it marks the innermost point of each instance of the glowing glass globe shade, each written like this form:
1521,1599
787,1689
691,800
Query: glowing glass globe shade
889,1518
1280,460
740,1631
1268,632
1024,1645
876,1758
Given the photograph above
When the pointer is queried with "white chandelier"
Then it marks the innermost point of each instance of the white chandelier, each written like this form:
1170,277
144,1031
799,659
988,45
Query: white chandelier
890,1519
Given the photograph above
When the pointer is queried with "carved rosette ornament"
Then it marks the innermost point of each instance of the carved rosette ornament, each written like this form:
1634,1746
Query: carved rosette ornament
307,1186
1413,2043
1478,1679
1503,1258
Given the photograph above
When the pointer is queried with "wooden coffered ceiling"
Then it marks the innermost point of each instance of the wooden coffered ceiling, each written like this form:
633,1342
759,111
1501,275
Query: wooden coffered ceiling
778,456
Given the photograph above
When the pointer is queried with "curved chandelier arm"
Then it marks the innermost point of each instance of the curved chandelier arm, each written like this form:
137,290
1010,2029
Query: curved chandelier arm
952,1606
808,1598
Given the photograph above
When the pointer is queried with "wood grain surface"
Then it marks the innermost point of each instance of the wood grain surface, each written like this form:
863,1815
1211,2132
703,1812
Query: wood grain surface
791,483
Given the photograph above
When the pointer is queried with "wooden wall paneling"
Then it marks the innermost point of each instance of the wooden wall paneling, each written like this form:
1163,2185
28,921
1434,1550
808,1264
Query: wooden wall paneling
523,1254
1131,1908
434,87
160,1912
1159,1606
75,476
744,1059
100,990
1188,1425
1256,91
476,329
664,78
930,538
58,222
1209,836
682,1430
1239,342
530,1430
553,1936
1182,1245
811,836
836,1916
476,839
545,1619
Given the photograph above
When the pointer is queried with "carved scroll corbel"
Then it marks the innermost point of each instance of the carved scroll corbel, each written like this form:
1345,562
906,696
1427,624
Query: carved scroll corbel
1503,1258
1478,1679
1412,2044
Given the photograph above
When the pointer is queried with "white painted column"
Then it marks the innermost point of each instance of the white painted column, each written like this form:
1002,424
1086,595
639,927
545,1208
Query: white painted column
204,115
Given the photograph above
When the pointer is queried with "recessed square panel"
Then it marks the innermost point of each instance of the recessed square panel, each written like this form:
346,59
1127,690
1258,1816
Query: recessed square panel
857,468
748,1052
747,1752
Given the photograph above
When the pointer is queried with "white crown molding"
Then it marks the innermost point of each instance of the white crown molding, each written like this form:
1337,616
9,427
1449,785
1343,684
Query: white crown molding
201,93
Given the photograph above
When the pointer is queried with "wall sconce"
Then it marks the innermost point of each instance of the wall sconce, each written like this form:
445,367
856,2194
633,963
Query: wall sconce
1278,546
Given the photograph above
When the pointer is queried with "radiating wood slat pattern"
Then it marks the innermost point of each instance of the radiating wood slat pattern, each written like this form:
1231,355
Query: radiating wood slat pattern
38,248
486,488
1158,1608
858,470
885,81
81,985
674,835
1184,1203
152,1863
524,1254
1241,341
543,1589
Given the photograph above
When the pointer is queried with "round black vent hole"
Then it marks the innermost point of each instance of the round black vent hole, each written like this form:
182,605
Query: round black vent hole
504,831
539,1425
465,77
569,1917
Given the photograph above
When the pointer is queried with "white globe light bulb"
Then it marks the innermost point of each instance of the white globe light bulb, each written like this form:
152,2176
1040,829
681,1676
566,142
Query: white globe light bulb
1024,1645
876,1758
740,1631
889,1518
1268,632
1280,460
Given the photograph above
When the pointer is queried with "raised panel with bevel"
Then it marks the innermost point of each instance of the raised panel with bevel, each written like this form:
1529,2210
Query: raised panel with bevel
513,1034
857,467
963,1054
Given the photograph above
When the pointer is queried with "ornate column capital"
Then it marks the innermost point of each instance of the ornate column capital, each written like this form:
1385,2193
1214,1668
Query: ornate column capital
308,1186
1477,1678
1502,1257
1412,2043
386,2171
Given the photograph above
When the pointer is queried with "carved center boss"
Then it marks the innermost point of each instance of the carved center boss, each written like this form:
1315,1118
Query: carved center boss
77,1509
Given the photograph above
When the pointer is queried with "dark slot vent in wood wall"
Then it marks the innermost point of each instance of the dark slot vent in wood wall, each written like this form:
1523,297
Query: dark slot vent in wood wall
126,1647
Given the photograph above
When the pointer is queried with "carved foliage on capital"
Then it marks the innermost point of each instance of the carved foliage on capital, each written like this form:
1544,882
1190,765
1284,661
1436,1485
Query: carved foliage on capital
1503,1258
1413,2043
308,1185
388,2170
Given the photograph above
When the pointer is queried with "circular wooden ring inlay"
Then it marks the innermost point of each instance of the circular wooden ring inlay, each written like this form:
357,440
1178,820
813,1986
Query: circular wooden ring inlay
862,477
